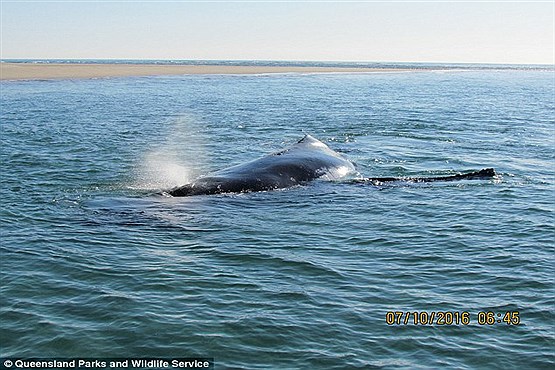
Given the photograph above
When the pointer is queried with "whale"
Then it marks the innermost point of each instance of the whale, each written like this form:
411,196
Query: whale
482,174
307,160
302,162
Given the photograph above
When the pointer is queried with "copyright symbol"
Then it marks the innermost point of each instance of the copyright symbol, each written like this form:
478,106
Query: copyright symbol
8,363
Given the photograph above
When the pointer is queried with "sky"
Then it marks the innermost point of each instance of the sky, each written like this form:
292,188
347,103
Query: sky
372,31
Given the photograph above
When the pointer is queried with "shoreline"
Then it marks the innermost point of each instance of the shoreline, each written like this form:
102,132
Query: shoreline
54,71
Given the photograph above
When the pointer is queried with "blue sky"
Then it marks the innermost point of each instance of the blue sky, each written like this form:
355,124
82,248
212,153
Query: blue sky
436,31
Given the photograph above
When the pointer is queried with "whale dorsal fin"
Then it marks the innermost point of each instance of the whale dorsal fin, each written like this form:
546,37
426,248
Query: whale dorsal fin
307,138
312,141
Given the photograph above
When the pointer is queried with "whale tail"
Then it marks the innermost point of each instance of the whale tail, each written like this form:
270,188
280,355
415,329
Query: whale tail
484,174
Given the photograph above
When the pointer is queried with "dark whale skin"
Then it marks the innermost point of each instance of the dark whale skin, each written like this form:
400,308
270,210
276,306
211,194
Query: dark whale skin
304,161
483,174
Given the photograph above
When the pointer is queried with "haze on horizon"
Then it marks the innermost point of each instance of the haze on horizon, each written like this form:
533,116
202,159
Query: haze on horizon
456,32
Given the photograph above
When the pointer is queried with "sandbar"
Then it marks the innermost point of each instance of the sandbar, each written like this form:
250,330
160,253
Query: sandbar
49,71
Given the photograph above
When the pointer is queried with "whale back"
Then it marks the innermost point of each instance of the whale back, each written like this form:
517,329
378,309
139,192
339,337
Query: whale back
304,161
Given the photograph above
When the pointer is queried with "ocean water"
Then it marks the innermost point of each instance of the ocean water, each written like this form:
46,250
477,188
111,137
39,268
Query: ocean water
95,262
292,63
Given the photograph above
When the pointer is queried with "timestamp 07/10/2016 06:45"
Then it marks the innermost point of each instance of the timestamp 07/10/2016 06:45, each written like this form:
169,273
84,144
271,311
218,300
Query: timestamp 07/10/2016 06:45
451,318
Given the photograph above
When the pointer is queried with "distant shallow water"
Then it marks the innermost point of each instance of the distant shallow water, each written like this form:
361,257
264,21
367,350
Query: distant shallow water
96,263
285,63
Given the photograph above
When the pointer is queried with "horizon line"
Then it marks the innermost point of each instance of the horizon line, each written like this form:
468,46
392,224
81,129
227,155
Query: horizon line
269,60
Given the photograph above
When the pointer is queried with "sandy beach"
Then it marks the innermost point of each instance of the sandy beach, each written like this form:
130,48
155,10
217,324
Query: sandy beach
29,71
